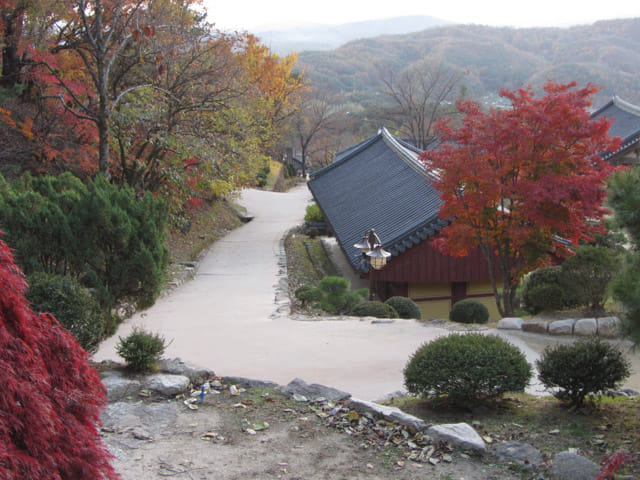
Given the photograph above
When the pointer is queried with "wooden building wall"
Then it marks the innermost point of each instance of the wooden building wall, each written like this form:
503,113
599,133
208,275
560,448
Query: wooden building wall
424,264
436,281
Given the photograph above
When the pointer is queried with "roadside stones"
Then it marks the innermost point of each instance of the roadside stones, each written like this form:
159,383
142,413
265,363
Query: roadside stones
521,453
177,366
605,327
586,327
248,382
167,384
118,387
535,326
609,327
391,414
562,327
510,323
314,391
458,434
569,465
139,419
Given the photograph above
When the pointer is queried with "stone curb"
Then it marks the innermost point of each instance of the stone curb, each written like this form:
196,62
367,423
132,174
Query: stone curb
603,327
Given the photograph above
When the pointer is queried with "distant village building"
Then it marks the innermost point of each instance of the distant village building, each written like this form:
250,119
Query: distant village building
379,183
294,159
626,124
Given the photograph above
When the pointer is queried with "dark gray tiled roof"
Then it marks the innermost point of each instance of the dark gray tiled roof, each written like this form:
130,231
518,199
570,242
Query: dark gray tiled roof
626,122
378,183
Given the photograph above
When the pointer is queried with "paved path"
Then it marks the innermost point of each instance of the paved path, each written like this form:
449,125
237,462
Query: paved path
223,318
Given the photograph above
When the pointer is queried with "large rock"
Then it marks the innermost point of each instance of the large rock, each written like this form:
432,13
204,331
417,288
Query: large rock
459,435
562,327
391,414
586,327
571,466
535,326
314,391
177,366
153,418
118,387
520,453
510,323
167,384
249,382
609,327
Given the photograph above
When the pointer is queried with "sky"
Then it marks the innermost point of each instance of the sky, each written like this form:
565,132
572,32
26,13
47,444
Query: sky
252,14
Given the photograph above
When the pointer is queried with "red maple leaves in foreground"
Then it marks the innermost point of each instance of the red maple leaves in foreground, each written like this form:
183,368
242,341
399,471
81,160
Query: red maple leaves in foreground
50,398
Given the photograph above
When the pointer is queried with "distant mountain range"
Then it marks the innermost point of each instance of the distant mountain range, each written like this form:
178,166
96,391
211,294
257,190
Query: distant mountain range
327,37
606,53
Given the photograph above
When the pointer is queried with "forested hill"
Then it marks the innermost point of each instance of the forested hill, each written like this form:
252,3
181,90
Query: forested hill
606,53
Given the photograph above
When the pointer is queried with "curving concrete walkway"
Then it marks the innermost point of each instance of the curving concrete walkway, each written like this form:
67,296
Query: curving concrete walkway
224,318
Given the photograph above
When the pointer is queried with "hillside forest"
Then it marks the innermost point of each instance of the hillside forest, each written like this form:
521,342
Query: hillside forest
482,59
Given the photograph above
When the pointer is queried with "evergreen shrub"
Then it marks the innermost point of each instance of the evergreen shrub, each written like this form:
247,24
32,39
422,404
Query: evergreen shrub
313,213
72,305
467,368
102,233
405,307
308,295
374,309
337,297
469,311
128,239
588,366
586,275
261,176
543,290
141,350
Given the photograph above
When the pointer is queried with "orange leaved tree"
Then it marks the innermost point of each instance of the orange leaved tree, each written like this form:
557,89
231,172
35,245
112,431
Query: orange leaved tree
519,181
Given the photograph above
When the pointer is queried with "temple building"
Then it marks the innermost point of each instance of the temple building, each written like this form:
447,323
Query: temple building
380,184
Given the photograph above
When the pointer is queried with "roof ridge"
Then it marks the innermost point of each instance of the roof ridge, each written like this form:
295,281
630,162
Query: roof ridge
602,108
626,106
358,148
408,155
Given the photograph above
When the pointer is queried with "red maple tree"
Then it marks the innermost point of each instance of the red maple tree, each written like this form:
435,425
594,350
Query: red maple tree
50,399
518,179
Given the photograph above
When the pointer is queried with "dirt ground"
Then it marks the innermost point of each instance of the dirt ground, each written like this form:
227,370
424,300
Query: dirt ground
261,434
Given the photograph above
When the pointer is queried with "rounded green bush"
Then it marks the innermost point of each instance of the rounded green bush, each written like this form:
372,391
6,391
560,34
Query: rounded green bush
405,307
374,309
469,311
72,305
543,290
141,350
545,298
467,369
586,367
313,213
586,275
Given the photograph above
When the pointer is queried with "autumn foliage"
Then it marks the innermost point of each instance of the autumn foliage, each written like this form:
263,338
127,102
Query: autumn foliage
51,398
146,92
519,179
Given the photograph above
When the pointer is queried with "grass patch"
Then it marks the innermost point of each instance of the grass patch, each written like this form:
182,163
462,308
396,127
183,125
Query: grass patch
548,425
208,222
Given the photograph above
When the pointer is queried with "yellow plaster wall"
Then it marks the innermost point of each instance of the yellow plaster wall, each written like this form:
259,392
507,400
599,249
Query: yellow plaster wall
475,288
431,309
434,308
